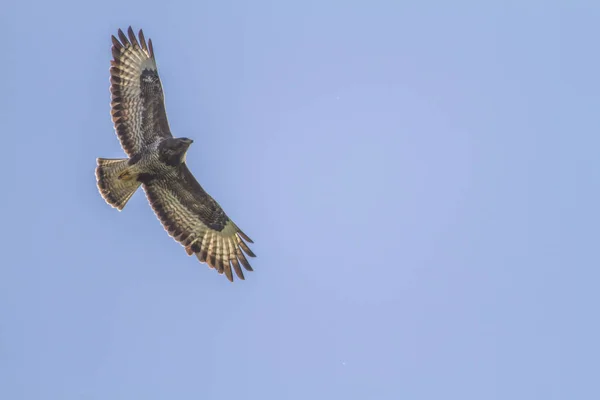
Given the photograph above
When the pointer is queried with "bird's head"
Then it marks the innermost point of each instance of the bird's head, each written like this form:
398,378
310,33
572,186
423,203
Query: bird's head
172,151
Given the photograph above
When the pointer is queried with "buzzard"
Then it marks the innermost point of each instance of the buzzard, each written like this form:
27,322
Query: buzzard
157,163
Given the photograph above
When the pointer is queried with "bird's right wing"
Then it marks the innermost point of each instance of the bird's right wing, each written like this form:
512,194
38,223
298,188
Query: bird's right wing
138,103
193,218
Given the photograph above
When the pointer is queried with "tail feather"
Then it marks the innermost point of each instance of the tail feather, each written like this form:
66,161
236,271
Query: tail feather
115,183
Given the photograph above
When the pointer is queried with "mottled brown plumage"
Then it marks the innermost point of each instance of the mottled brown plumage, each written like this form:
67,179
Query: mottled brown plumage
157,163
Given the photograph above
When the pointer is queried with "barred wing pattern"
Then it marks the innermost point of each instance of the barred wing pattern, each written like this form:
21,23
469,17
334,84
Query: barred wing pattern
193,218
138,104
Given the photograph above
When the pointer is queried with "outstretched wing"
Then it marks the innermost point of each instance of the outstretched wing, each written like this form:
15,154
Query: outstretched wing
195,219
138,104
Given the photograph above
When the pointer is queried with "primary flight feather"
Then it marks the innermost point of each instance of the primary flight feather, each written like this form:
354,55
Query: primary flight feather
157,163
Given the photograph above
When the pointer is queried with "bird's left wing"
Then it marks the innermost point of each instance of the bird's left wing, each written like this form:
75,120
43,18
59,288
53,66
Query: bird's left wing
138,103
193,218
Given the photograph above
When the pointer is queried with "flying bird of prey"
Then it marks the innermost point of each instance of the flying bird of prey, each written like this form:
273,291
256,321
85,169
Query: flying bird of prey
157,163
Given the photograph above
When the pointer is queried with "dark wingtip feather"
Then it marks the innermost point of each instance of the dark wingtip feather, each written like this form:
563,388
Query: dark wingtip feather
227,269
123,38
116,52
243,260
219,264
116,42
237,269
246,249
132,37
244,236
151,48
143,40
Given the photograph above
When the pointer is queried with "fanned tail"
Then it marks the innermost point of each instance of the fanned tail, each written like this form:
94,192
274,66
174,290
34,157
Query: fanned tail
115,183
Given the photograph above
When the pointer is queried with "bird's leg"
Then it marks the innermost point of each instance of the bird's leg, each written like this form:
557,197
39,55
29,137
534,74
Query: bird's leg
126,175
132,170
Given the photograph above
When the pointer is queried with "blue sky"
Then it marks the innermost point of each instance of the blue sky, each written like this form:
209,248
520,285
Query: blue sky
420,180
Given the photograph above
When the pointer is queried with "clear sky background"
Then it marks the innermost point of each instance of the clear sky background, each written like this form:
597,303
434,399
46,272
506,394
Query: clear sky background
420,180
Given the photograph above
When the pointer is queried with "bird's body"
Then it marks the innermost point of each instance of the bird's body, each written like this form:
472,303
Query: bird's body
159,160
157,163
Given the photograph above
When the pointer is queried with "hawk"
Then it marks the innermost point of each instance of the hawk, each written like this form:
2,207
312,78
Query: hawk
157,163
